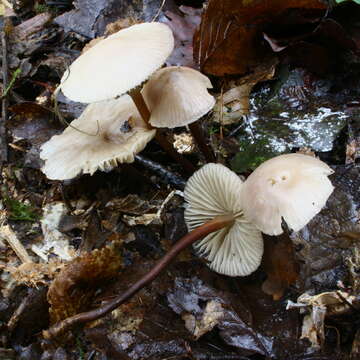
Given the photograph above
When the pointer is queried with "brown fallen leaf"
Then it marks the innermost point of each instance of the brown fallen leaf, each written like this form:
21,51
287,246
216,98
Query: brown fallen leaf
229,40
279,264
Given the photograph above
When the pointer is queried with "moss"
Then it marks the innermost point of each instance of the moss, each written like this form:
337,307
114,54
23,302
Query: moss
19,211
41,8
251,155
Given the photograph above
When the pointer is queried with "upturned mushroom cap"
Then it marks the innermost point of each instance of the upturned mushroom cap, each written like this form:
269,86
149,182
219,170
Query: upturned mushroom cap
119,63
122,134
235,250
177,96
293,187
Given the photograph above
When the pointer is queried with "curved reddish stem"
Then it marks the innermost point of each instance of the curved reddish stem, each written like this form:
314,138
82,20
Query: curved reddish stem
197,234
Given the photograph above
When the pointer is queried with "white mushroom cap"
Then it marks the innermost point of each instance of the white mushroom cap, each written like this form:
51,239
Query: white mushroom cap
119,63
293,187
235,250
177,96
122,134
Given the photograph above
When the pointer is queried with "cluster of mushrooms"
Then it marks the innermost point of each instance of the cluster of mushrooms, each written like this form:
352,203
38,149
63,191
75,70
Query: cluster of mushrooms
130,98
122,115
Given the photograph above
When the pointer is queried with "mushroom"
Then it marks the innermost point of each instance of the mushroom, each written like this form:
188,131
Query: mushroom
235,250
218,205
178,96
122,134
119,64
293,187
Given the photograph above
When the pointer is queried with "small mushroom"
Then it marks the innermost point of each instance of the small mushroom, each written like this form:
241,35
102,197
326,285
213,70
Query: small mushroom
121,135
236,249
293,187
177,96
119,63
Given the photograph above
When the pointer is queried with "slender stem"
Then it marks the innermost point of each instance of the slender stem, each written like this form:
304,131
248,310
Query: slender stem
140,104
197,234
198,135
161,139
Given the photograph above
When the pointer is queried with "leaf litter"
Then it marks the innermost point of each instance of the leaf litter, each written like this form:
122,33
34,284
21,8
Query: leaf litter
271,98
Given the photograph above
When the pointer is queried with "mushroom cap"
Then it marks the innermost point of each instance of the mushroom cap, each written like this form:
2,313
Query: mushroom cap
293,187
235,250
177,96
119,63
121,135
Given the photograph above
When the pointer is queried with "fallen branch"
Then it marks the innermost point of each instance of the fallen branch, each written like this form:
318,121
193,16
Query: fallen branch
197,234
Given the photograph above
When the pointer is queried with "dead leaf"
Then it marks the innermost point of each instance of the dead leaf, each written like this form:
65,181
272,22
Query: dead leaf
33,274
229,38
213,313
188,298
279,264
323,305
183,26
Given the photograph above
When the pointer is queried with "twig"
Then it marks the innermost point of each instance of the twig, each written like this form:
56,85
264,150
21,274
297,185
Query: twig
159,11
4,101
62,119
197,234
167,176
7,233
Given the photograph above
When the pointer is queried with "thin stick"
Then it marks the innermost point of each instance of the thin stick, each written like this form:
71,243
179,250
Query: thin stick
4,101
62,119
198,135
197,234
7,233
160,137
166,176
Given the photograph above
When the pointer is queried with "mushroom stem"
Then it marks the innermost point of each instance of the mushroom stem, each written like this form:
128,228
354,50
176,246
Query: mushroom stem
215,224
161,139
198,135
140,104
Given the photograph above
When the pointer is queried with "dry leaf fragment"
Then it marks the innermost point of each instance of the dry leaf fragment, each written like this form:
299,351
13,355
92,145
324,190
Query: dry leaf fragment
33,274
321,306
231,106
211,316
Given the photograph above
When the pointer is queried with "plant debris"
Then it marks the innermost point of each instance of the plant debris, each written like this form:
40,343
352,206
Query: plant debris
285,76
